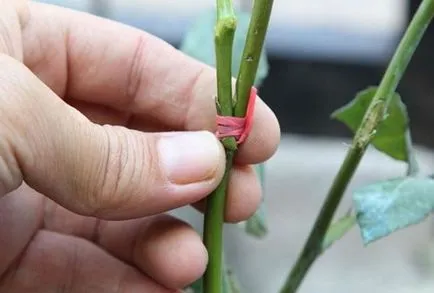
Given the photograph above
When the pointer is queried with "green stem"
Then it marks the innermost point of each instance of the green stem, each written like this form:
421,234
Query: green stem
216,202
224,39
374,115
214,214
251,54
313,246
213,233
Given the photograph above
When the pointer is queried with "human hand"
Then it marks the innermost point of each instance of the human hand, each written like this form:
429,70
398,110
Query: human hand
87,168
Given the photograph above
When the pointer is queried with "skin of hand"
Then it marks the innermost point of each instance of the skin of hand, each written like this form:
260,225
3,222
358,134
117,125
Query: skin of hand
103,129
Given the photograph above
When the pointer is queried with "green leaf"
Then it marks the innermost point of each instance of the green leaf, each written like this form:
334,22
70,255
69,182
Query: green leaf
230,281
388,206
413,166
391,135
231,284
338,229
196,287
199,43
257,225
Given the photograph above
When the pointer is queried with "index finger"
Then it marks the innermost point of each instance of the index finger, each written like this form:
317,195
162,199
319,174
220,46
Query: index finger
94,60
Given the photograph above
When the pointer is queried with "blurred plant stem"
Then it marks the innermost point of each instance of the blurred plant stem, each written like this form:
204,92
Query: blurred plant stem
375,114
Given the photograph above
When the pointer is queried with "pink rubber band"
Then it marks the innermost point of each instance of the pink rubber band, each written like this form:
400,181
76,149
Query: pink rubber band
237,127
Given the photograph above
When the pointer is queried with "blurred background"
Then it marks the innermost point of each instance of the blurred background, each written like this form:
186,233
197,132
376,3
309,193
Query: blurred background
320,52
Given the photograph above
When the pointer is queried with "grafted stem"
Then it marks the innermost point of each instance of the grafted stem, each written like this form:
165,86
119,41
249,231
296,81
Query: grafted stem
224,35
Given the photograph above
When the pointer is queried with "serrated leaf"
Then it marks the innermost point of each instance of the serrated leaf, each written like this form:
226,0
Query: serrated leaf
390,137
385,207
338,229
199,43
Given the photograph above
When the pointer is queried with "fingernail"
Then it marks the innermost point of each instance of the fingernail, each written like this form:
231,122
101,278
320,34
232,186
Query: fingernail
189,157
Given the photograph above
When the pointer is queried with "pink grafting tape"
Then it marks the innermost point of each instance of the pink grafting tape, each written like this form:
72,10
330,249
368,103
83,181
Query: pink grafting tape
237,127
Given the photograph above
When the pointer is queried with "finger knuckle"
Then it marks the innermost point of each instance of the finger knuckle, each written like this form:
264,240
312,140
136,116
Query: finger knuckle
10,173
17,87
135,76
121,176
10,127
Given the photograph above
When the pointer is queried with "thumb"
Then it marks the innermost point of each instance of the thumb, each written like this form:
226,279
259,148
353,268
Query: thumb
104,171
